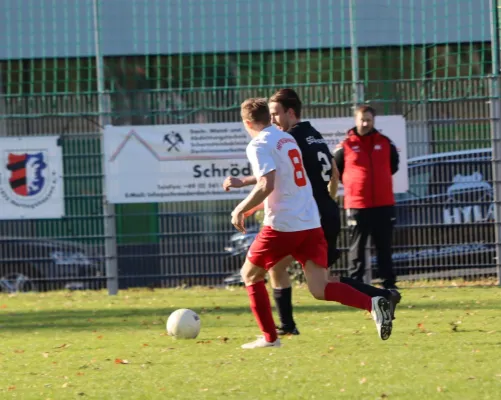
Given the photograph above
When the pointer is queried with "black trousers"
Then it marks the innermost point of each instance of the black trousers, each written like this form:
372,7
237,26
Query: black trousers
377,223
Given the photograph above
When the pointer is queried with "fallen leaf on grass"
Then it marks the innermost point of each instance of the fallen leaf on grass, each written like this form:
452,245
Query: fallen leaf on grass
491,332
421,327
11,388
384,396
63,346
363,380
46,355
18,351
3,306
145,344
204,390
64,385
440,389
80,374
204,342
120,361
224,339
167,349
100,337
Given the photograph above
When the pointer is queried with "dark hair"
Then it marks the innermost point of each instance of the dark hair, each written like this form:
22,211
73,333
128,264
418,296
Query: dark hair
364,108
256,110
288,98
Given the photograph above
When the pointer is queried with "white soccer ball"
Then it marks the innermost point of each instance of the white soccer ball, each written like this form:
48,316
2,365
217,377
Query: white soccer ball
183,324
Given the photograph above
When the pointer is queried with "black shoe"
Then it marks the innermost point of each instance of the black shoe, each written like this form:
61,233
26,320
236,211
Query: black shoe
390,286
286,331
394,299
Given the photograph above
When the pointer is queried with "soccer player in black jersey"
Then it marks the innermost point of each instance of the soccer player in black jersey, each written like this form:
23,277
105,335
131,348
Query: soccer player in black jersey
285,108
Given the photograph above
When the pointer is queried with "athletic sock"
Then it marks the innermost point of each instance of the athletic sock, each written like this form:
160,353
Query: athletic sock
345,294
261,308
367,289
283,301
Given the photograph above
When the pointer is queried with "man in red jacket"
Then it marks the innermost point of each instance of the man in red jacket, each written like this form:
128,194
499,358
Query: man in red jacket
366,161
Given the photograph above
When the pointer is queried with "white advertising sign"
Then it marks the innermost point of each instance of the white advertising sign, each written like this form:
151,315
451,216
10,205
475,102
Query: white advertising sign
31,178
165,163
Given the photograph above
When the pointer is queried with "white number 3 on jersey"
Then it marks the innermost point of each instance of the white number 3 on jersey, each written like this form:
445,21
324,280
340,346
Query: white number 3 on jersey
326,166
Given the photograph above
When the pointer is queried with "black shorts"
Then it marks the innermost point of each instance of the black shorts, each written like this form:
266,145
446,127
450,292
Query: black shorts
331,224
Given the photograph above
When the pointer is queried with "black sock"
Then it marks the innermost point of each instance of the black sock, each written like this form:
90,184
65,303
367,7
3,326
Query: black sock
283,301
367,289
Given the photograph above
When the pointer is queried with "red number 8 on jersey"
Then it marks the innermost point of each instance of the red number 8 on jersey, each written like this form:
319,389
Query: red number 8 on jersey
299,174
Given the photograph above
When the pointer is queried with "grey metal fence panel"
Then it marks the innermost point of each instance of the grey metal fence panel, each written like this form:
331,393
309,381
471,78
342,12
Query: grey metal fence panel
440,233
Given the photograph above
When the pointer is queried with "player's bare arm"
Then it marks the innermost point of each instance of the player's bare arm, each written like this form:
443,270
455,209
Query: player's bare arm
334,182
253,210
232,182
259,193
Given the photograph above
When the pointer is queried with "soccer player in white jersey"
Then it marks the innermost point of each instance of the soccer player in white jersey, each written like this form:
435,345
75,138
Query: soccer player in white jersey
291,227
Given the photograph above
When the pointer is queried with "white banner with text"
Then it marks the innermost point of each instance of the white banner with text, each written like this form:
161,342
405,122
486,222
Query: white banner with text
167,163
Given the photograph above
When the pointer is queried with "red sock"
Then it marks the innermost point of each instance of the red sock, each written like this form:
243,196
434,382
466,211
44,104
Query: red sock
345,294
261,308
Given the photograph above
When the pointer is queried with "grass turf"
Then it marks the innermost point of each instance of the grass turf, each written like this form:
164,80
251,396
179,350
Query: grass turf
446,344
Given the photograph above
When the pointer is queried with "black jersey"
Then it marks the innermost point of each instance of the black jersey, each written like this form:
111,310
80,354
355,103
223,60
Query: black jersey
317,160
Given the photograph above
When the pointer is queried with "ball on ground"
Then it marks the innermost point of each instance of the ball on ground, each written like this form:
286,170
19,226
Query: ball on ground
183,324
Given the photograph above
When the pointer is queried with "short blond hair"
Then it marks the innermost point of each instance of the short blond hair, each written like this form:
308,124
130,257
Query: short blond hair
256,110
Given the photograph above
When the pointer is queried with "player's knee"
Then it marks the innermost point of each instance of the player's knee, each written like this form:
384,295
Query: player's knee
317,279
279,278
317,292
317,288
252,275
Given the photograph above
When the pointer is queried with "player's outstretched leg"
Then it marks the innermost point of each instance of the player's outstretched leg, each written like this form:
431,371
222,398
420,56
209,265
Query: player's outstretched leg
253,277
323,289
282,294
392,295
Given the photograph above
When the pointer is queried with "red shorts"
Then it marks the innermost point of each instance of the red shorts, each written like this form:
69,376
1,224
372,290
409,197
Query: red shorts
271,246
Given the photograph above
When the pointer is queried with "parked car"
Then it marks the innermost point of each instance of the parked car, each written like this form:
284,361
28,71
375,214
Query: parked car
444,223
446,219
31,264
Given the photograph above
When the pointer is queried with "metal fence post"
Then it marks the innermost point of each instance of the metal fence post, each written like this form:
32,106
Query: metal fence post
495,114
357,98
109,216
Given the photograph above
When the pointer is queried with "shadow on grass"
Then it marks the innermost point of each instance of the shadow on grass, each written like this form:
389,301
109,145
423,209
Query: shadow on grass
145,318
141,318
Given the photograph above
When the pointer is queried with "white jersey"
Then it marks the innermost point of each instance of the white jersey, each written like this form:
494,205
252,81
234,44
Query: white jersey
291,206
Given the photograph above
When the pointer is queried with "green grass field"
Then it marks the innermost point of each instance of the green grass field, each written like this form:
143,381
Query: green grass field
446,344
